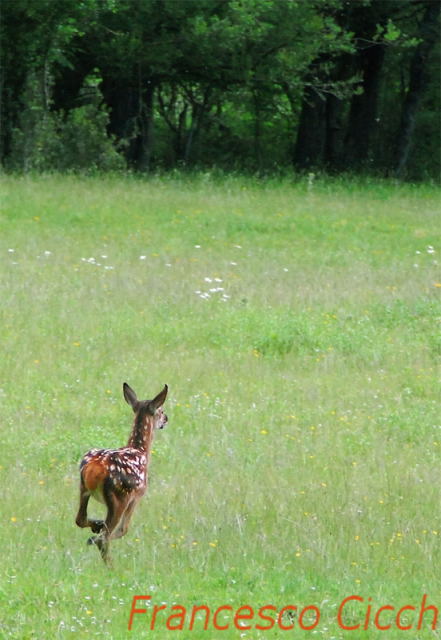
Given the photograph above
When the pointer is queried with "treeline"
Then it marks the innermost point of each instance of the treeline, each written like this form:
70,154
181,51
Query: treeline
331,85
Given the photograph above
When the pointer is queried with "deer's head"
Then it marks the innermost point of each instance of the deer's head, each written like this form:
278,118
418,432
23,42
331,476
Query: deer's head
147,410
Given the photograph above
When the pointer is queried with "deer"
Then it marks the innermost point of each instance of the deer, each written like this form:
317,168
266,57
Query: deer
118,478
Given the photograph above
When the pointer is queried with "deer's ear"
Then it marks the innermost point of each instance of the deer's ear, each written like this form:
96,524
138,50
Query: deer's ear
159,400
130,396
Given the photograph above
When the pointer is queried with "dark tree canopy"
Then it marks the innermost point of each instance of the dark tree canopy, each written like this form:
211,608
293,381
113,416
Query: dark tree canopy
246,84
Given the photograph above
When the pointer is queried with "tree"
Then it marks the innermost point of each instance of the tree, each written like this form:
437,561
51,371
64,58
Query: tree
235,83
418,81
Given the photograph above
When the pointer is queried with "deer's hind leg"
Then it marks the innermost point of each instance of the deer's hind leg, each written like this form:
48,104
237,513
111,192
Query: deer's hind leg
82,520
116,506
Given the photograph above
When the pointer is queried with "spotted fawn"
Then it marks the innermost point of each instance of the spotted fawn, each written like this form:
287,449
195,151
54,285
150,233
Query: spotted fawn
118,477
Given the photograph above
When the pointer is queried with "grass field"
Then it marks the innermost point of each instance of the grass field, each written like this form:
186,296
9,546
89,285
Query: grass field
298,328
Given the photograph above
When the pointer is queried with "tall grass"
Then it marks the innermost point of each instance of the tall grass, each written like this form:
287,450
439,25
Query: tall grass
297,325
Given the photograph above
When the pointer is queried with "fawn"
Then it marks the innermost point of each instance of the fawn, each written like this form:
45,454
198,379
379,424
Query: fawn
118,477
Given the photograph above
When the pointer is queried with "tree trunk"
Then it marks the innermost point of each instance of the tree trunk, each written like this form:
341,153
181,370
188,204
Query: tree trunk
308,151
194,126
131,117
333,131
144,141
179,144
257,134
429,31
198,112
363,111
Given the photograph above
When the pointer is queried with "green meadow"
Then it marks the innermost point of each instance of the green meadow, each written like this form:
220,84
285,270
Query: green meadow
297,324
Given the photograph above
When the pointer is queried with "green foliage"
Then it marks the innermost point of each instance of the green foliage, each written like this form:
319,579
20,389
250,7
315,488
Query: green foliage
46,140
84,140
250,85
392,32
36,145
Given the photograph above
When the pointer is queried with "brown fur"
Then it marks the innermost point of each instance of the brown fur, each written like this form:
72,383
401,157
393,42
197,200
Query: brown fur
94,474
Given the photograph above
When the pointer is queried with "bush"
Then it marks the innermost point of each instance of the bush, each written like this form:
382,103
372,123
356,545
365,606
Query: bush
85,143
46,140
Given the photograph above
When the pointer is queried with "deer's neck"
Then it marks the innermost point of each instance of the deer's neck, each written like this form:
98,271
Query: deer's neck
142,434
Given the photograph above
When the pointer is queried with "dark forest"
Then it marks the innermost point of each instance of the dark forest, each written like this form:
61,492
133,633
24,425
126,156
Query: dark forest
247,85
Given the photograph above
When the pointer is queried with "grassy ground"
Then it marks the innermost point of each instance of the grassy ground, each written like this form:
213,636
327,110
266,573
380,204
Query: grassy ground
298,329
